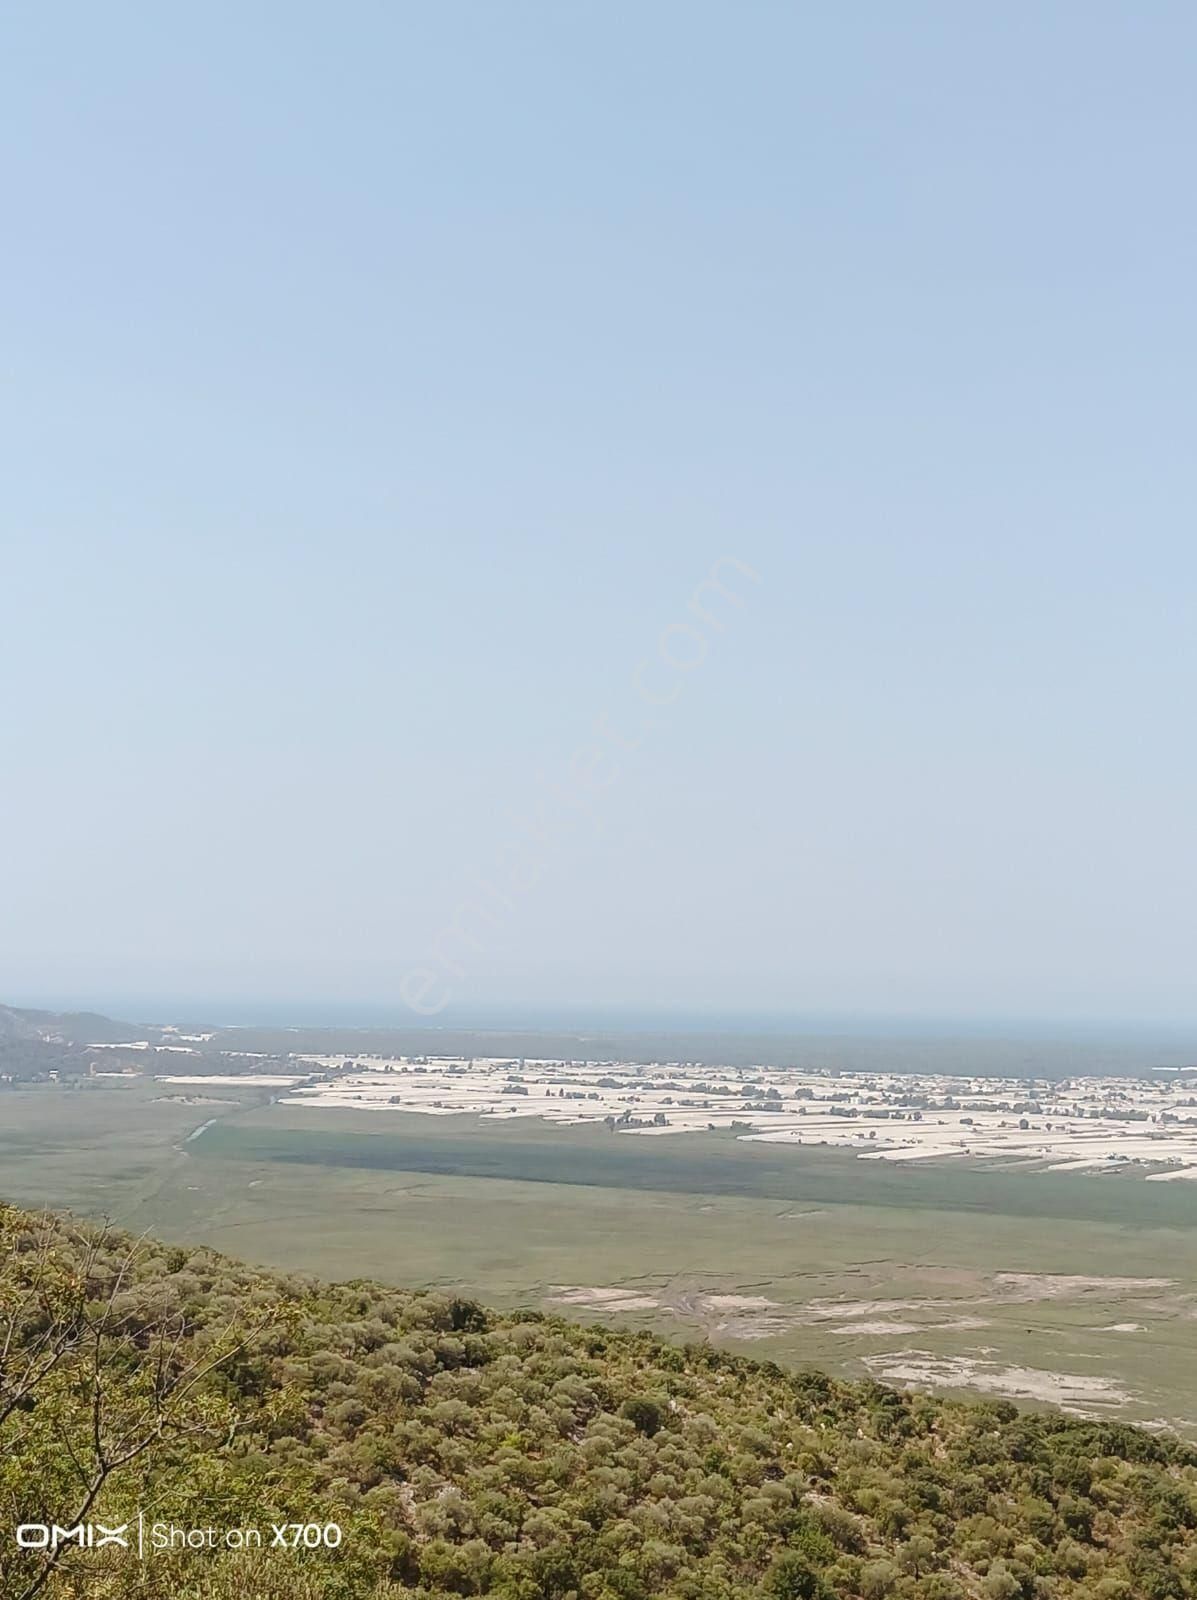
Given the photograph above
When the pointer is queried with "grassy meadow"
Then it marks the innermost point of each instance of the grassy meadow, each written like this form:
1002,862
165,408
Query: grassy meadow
1060,1288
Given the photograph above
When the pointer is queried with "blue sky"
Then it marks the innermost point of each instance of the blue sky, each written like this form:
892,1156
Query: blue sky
382,384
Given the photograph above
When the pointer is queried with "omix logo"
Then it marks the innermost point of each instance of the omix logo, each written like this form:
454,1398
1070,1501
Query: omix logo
87,1535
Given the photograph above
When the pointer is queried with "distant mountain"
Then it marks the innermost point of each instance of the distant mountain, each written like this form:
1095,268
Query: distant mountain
36,1045
69,1027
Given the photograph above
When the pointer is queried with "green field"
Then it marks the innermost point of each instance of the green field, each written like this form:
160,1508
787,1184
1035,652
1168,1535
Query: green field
954,1277
700,1163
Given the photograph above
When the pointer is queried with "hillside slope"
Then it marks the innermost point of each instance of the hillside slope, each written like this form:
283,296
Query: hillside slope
464,1453
65,1027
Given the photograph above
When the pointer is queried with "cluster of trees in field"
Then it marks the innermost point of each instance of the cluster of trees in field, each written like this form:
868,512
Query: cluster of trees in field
27,1060
461,1452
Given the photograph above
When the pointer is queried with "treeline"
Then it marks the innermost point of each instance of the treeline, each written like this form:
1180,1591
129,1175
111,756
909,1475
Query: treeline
524,1457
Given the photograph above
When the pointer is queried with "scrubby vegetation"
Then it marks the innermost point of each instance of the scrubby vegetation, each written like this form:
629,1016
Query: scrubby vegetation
523,1457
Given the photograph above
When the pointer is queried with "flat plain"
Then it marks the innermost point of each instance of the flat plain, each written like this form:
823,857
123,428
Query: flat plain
1046,1287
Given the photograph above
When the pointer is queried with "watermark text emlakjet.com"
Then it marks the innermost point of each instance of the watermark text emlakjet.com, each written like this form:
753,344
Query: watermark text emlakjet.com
572,800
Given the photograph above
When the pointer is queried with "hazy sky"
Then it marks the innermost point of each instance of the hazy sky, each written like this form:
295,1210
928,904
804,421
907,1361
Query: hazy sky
382,381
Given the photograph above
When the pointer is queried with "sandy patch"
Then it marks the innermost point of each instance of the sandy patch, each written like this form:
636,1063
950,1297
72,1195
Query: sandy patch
1069,1390
834,1310
246,1080
607,1299
1059,1285
957,1311
1121,1327
873,1329
733,1316
883,1325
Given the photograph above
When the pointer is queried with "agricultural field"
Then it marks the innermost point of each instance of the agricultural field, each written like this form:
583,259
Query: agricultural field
1080,1123
925,1273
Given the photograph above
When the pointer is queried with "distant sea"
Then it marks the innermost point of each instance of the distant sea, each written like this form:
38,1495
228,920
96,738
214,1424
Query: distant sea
981,1046
309,1013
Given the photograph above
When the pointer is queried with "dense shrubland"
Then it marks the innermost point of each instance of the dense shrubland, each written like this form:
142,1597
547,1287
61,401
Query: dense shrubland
466,1453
